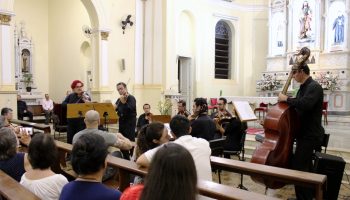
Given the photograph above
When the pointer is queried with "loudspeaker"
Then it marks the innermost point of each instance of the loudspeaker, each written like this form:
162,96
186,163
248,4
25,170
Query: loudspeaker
333,167
122,66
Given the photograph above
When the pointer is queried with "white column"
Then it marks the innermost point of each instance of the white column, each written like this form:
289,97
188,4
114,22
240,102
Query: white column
6,53
104,78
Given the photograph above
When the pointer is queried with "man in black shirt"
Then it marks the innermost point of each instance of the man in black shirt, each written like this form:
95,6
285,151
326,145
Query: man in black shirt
125,106
308,104
22,109
144,118
202,126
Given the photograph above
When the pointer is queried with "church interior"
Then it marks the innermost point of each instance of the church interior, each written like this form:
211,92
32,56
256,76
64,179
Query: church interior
166,51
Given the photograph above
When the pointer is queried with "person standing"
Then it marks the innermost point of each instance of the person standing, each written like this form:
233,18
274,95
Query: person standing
125,106
78,95
308,104
47,105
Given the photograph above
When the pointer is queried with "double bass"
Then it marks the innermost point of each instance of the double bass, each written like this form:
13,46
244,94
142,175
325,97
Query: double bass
280,127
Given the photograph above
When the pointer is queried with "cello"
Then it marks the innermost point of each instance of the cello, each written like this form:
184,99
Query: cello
280,127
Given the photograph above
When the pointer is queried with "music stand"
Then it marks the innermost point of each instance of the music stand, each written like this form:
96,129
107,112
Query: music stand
78,110
245,113
107,113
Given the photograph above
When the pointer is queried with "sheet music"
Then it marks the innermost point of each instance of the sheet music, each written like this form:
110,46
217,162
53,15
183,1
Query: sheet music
244,111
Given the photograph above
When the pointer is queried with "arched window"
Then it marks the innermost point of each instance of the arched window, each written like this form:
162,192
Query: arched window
222,50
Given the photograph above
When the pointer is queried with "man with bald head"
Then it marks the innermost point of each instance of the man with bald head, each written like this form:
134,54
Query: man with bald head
92,121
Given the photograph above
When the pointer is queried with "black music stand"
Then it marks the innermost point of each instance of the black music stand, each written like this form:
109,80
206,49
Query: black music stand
107,113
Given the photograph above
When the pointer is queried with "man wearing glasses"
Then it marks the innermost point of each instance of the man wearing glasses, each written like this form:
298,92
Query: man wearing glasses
308,104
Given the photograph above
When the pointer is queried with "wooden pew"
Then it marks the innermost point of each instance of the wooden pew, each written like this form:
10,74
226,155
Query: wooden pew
11,189
43,127
37,110
125,167
316,181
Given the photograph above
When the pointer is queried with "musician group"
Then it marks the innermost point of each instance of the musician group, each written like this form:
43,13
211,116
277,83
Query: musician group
221,122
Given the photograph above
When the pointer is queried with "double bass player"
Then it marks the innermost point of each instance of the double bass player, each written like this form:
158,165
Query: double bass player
308,104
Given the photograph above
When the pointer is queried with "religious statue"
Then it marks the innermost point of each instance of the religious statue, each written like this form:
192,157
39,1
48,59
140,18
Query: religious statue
338,27
25,60
305,21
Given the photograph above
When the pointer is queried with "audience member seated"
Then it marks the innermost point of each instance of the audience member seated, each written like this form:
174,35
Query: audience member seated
43,182
47,105
22,110
16,131
202,125
198,147
181,107
172,176
92,121
144,118
220,116
7,113
150,136
11,162
88,156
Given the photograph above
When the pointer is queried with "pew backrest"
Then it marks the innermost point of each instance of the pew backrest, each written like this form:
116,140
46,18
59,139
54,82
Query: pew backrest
206,188
11,189
43,127
306,179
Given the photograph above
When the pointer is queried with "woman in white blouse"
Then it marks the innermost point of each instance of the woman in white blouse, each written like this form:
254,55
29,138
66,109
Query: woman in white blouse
41,180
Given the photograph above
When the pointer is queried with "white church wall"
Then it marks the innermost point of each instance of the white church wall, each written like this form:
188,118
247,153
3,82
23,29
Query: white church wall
66,19
205,17
35,16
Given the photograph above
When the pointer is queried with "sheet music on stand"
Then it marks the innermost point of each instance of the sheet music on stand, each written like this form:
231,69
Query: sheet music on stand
244,111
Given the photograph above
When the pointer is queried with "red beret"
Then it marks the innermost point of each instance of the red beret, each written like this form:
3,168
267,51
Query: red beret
75,82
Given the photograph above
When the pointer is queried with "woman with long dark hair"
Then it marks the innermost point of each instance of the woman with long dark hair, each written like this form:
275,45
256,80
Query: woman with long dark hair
172,176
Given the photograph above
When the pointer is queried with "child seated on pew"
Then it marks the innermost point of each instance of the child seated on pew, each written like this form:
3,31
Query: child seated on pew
88,158
41,180
172,176
11,162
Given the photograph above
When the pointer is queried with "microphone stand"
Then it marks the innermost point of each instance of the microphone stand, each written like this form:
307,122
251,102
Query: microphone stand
105,115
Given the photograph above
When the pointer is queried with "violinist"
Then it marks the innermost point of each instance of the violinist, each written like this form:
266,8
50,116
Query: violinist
125,106
145,118
202,125
221,116
181,107
78,95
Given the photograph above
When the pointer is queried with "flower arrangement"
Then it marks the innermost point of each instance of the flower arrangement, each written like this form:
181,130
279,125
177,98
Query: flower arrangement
164,107
268,82
328,81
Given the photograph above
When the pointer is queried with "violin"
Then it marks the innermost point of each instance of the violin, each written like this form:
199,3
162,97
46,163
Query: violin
148,117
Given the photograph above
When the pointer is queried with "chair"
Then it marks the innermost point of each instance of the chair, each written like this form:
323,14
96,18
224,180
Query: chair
228,154
261,109
324,143
213,104
57,126
217,148
325,112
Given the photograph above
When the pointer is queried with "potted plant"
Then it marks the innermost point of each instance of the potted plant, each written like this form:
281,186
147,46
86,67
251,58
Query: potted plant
28,80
